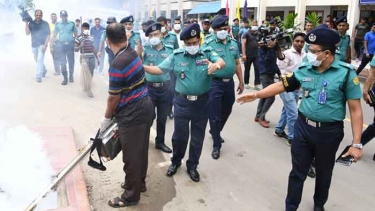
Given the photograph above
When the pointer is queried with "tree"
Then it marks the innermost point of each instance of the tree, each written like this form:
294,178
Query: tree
313,18
289,22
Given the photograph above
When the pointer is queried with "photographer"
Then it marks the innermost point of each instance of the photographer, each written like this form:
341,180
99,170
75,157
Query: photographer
269,52
40,34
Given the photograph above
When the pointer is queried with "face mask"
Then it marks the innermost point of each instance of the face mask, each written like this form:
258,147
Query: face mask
154,41
128,30
177,27
86,32
313,59
163,30
192,50
222,34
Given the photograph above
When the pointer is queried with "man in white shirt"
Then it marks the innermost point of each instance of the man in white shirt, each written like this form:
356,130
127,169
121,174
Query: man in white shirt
142,33
293,58
177,30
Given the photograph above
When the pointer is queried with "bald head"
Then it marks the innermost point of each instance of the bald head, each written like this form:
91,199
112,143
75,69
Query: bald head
116,33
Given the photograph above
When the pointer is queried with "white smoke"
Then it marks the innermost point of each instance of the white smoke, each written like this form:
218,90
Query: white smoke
25,170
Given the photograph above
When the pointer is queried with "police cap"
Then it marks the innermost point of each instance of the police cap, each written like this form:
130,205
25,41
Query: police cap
63,13
127,19
236,19
342,19
273,21
323,36
192,30
153,27
111,20
219,21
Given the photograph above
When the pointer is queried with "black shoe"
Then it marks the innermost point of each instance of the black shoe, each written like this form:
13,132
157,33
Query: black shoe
313,162
171,115
163,148
71,79
222,140
172,169
281,135
373,157
289,142
318,208
143,187
194,175
65,82
215,154
311,173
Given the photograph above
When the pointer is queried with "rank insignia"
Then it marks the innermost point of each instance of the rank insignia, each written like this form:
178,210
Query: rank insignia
182,75
356,80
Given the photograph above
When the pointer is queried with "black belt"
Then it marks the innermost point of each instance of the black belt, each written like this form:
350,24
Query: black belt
225,80
156,84
192,97
318,124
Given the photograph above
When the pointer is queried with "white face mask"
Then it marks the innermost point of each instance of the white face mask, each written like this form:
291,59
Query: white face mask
86,32
154,41
177,27
222,34
192,50
163,29
129,30
313,59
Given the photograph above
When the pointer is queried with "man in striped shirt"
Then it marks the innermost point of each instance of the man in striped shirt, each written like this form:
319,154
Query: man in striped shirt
129,103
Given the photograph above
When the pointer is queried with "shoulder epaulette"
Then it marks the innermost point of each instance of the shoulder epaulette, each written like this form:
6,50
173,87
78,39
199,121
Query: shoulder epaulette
178,51
344,64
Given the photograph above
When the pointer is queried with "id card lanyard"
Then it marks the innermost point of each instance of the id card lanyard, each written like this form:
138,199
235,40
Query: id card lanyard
323,94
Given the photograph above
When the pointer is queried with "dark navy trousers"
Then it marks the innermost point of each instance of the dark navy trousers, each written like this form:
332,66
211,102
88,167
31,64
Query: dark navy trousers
369,133
310,142
66,54
221,100
161,99
195,113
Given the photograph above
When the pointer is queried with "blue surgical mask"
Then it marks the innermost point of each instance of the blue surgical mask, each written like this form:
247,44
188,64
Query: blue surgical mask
313,59
154,41
192,50
222,34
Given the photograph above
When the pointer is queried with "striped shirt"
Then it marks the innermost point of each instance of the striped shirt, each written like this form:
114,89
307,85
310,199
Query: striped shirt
127,77
88,43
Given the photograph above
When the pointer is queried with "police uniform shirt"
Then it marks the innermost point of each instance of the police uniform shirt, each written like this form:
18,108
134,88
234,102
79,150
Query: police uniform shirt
235,30
191,70
154,57
312,83
135,39
342,47
171,39
65,31
228,52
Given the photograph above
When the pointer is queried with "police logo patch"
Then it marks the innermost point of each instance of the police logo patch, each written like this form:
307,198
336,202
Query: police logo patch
312,37
153,28
182,75
131,19
226,23
193,33
356,80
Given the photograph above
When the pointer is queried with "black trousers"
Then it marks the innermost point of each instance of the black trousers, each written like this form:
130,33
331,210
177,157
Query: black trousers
369,133
310,142
364,62
265,104
248,63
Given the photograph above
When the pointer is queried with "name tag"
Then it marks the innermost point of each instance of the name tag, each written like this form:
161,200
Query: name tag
151,55
219,50
308,79
233,48
164,55
201,62
183,64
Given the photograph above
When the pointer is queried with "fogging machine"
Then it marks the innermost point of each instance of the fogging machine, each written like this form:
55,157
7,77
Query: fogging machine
106,143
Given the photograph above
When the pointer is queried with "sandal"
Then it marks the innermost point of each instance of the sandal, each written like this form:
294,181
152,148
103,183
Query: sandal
119,202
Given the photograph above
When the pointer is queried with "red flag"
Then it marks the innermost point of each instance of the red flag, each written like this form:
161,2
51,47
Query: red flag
227,9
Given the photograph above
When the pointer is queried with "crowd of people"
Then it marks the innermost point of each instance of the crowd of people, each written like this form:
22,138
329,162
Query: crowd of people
189,66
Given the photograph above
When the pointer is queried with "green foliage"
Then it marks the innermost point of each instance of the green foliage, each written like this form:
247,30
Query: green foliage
313,18
289,22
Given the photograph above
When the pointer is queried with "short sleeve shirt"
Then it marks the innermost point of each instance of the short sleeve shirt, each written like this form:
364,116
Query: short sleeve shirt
191,70
65,31
135,39
361,30
235,30
153,57
228,52
252,48
39,32
342,47
332,80
171,39
370,38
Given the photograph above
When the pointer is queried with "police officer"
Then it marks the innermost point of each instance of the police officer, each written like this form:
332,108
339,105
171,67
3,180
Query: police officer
193,67
327,84
110,53
134,38
67,31
343,48
158,85
169,38
221,95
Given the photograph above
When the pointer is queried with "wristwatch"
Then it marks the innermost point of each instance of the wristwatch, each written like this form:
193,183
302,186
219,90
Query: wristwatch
358,146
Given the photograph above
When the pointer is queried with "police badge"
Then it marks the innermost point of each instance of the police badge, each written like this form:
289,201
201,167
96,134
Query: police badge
312,37
182,75
193,33
153,28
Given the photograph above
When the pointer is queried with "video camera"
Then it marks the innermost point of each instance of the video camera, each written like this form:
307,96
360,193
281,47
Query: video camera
24,14
266,34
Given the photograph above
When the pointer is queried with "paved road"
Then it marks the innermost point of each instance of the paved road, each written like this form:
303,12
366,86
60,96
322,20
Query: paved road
250,175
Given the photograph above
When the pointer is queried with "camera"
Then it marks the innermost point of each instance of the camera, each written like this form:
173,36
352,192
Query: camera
266,34
24,14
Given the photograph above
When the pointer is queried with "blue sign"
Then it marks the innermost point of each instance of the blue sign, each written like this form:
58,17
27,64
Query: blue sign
366,1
